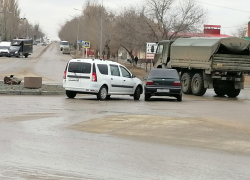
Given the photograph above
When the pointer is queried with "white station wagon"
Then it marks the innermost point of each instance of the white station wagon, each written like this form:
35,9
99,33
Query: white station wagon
100,77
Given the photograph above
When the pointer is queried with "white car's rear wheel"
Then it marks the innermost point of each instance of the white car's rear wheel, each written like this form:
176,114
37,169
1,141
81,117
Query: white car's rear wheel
102,94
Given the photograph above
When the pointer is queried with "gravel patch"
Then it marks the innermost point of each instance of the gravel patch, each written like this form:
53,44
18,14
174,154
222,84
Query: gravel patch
21,90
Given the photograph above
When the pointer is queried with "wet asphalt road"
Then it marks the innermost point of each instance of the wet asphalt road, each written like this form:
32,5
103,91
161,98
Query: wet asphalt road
55,138
36,141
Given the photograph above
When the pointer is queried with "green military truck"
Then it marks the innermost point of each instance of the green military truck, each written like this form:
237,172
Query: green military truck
203,63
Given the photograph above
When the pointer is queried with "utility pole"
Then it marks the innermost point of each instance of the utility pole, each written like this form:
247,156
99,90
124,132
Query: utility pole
101,30
78,35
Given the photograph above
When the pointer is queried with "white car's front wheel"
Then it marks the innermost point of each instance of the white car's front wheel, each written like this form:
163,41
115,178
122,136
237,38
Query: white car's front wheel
137,93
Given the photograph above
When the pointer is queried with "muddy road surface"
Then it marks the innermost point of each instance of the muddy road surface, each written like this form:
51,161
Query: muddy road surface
55,138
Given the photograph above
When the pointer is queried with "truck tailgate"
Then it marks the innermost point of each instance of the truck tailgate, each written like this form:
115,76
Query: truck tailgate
230,62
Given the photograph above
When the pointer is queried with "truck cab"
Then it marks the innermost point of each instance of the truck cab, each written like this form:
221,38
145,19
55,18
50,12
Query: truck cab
162,55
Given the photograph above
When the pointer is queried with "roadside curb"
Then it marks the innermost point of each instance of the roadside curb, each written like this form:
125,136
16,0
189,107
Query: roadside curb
13,92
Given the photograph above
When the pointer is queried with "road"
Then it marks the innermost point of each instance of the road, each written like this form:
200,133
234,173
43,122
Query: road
46,61
55,138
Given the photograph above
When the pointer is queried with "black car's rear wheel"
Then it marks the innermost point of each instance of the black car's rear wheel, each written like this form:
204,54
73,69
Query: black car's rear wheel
179,98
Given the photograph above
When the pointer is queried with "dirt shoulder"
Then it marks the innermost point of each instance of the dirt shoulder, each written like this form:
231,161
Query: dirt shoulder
209,134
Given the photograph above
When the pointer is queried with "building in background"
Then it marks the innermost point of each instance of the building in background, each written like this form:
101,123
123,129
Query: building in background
248,32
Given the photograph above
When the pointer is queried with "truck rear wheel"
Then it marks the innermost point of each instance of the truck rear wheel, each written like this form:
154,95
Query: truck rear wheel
197,85
220,91
232,92
186,79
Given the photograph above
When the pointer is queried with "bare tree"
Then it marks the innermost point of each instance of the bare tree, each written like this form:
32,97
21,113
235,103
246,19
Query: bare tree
133,27
241,31
173,17
10,18
131,31
89,28
11,24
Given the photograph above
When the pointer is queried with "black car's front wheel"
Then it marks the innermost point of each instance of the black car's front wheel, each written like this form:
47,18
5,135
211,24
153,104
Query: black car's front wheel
147,97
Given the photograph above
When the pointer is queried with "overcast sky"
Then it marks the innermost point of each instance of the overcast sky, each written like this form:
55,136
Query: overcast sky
52,13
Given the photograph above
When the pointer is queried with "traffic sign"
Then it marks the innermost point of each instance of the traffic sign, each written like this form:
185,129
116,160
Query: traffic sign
86,44
150,56
149,48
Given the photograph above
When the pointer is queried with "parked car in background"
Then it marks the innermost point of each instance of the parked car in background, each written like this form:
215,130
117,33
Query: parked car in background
44,44
163,82
64,44
4,48
66,50
101,78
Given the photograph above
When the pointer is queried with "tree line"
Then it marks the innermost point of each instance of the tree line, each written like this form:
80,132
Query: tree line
133,26
12,25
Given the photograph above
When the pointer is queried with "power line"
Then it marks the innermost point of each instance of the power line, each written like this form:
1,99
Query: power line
233,26
224,7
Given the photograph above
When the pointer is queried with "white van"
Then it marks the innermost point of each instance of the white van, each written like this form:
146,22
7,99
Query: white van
100,77
64,44
4,48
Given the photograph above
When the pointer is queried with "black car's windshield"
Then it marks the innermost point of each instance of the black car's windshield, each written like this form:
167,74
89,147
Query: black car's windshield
163,73
14,48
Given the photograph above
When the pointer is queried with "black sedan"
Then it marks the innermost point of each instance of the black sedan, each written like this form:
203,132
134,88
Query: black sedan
163,82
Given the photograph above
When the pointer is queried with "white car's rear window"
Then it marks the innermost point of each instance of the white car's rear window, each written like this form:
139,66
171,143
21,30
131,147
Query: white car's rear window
79,67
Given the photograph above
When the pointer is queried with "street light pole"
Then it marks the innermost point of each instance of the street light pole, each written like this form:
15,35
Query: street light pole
101,30
77,38
25,30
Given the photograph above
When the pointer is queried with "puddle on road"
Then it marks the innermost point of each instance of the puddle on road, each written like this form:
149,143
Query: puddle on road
28,117
205,133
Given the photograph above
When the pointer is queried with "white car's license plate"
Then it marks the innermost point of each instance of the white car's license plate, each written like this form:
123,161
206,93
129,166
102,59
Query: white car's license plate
73,79
162,90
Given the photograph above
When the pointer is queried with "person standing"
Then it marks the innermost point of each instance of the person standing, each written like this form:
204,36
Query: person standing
136,60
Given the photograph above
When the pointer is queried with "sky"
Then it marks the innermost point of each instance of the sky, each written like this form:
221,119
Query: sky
50,14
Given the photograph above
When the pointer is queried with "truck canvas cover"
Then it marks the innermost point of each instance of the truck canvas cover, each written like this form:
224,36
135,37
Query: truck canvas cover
202,49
